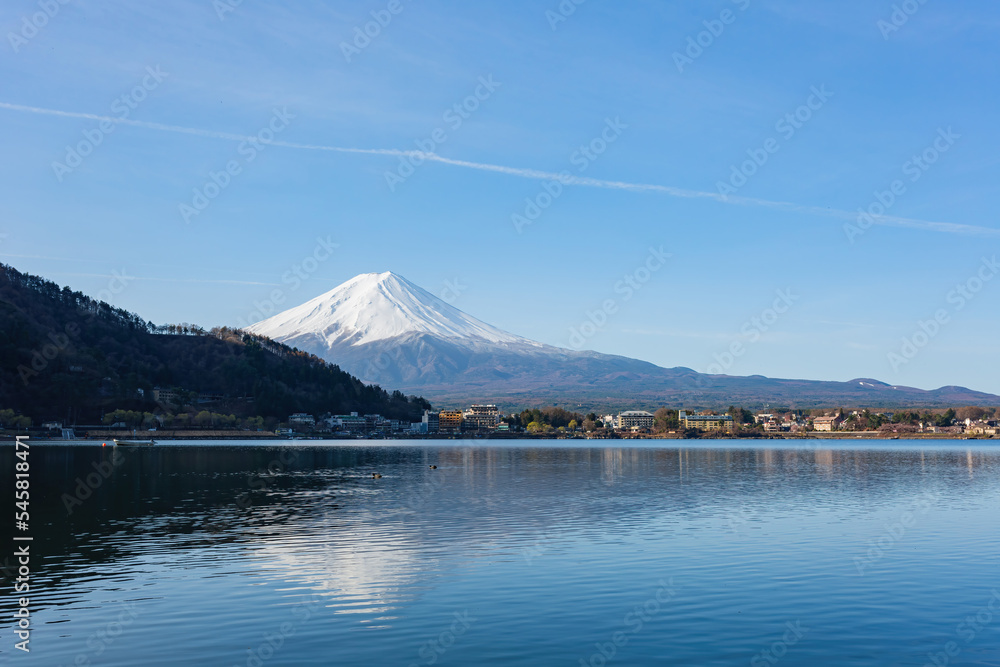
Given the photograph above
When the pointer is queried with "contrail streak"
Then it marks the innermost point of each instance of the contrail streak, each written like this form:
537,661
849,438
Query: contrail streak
169,280
534,174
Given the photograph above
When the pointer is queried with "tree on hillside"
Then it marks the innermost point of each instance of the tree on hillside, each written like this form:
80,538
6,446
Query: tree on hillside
740,415
864,421
970,412
550,416
110,354
665,420
904,417
10,419
947,419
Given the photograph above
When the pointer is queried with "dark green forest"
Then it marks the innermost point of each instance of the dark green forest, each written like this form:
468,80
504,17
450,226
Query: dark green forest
65,356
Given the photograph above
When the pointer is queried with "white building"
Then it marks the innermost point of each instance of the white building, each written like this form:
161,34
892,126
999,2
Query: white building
635,420
827,423
481,417
351,423
431,421
302,420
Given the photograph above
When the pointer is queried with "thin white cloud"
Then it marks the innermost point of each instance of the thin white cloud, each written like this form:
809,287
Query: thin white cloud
166,280
173,267
534,174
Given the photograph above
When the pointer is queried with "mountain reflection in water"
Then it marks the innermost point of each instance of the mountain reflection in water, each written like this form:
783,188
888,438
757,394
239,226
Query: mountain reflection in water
881,552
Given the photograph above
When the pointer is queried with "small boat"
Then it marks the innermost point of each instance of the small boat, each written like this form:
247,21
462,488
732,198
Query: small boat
134,443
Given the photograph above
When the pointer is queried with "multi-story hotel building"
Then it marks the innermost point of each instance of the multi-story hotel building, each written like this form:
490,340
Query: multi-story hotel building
706,422
482,418
450,421
634,420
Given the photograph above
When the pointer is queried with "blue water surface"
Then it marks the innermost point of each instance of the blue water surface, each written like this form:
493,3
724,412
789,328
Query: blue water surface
519,553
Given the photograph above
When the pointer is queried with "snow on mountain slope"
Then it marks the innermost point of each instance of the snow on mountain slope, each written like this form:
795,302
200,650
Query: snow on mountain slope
385,330
380,306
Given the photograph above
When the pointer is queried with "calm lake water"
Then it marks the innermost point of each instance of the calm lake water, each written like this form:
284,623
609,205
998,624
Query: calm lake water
521,553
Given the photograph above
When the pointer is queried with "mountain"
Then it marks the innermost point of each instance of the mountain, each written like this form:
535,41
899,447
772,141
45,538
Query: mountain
65,356
375,307
385,329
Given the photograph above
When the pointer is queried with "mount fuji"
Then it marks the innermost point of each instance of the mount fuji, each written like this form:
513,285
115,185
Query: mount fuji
375,307
386,330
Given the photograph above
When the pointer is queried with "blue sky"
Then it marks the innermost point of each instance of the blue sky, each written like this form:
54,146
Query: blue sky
198,79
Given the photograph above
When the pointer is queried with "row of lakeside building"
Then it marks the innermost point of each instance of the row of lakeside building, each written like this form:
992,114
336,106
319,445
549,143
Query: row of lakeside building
480,419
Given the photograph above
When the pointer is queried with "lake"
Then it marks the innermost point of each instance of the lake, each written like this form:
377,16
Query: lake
511,553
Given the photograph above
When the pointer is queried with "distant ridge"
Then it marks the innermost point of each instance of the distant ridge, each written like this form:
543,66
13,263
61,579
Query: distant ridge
385,329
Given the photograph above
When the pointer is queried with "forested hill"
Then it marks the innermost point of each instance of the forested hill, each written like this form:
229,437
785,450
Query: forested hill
65,356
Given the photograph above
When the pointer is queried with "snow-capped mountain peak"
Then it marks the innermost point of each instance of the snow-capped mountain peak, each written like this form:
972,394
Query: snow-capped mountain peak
379,306
384,329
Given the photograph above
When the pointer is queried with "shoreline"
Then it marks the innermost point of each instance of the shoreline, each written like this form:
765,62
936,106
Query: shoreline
271,437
